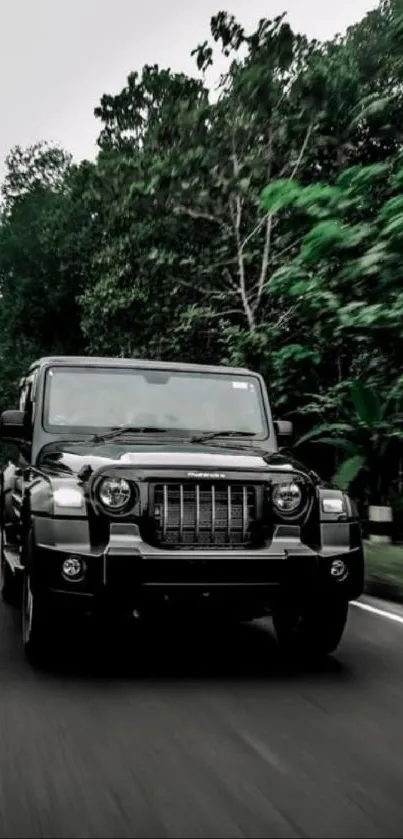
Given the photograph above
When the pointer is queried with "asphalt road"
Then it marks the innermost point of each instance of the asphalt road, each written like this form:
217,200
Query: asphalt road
220,743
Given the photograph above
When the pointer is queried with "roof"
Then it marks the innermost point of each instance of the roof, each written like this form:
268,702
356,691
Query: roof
136,363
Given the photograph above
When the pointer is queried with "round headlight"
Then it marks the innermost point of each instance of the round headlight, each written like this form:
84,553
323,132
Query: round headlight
287,497
114,493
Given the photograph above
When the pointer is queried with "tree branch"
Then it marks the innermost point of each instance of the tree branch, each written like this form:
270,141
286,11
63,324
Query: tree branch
286,316
253,232
211,292
230,281
302,151
267,238
285,250
198,215
220,314
224,264
269,162
265,261
269,222
237,218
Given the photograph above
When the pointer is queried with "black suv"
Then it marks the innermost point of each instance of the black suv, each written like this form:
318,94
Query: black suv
152,489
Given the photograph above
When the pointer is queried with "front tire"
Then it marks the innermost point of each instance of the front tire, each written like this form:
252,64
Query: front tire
37,630
312,632
10,585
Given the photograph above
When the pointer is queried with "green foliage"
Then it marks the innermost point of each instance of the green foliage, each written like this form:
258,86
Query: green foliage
366,438
348,471
384,570
260,226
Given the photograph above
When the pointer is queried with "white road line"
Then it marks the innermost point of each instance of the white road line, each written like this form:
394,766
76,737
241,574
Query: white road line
390,616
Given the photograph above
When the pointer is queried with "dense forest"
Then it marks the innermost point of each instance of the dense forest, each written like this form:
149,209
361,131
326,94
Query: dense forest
261,225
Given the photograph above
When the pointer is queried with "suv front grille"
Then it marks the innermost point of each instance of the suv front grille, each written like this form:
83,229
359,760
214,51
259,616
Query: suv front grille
203,514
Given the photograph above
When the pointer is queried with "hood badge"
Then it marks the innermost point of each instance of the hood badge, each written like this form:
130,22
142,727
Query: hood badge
217,476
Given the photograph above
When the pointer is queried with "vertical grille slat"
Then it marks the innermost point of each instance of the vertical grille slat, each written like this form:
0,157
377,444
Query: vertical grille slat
212,512
181,513
244,511
197,512
165,511
206,514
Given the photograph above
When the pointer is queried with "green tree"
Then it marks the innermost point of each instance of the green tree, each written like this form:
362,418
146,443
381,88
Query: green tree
365,438
194,249
40,168
38,312
162,247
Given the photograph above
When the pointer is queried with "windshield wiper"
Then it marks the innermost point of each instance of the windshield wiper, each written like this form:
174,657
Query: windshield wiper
126,429
210,435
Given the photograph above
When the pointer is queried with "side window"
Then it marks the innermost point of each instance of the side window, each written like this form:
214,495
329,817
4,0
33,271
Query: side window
34,379
23,394
27,396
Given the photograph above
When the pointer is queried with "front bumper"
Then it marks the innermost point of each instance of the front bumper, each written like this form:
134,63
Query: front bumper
132,574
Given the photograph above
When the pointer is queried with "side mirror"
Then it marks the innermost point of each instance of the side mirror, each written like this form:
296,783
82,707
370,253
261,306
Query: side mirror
12,426
284,428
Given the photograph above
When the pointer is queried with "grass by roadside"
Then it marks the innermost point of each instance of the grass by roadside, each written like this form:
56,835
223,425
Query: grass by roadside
384,571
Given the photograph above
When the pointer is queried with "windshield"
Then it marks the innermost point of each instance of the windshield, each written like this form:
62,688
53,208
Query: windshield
88,399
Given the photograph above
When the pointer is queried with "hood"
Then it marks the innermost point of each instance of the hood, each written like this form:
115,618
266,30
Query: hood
194,457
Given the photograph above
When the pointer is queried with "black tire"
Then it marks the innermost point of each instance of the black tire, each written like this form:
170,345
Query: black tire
11,589
314,632
37,626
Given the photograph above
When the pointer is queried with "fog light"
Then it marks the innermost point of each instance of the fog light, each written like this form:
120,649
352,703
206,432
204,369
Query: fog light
338,569
73,568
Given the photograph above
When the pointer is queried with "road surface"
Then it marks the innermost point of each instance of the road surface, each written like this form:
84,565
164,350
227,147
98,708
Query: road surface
222,742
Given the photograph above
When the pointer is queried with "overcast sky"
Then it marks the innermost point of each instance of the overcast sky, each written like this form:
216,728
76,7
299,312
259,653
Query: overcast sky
57,57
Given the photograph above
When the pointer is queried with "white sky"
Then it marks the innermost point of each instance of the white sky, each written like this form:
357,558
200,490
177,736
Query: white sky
57,57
